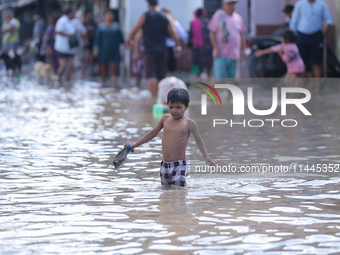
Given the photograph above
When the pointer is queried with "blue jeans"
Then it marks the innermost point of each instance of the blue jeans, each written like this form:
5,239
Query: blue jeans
224,68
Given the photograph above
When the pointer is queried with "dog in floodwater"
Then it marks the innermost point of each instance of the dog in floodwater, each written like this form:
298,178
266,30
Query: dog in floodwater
45,71
11,63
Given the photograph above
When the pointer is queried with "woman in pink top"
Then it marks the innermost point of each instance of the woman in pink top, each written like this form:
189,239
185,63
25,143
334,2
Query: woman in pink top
289,53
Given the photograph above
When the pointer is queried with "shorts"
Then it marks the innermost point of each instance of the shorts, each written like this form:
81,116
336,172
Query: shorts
311,48
174,173
155,65
64,55
224,68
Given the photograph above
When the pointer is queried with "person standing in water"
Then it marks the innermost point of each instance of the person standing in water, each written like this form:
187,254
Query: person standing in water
156,28
107,40
177,129
307,21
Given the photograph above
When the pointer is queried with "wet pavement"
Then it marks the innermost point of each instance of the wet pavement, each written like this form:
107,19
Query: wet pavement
61,195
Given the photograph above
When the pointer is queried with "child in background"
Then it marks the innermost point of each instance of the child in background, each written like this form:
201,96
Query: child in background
177,129
137,65
107,41
289,53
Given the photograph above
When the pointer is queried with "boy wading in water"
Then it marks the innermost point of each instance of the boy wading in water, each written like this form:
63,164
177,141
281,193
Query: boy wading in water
177,129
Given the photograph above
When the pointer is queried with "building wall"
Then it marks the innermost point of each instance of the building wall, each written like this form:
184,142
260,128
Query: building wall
268,12
243,10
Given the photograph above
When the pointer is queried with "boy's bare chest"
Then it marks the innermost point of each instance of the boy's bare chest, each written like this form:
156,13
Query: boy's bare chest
179,130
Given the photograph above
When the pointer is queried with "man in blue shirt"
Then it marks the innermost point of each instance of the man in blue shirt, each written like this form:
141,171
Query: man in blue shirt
307,22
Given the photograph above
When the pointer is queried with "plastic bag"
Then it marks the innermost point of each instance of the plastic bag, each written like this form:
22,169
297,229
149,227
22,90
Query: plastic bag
121,155
166,85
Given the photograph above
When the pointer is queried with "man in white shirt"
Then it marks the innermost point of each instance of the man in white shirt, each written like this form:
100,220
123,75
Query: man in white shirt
64,31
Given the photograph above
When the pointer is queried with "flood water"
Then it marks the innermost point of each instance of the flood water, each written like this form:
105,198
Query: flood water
60,194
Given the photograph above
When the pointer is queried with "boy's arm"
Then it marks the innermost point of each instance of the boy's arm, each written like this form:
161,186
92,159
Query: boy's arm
149,135
200,143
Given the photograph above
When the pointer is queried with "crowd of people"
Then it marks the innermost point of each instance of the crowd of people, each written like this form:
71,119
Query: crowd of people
157,38
64,37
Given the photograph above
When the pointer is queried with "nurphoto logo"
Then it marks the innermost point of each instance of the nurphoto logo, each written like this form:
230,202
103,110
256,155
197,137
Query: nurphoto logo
239,105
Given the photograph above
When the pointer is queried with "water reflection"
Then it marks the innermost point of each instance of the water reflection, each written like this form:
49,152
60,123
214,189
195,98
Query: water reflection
60,194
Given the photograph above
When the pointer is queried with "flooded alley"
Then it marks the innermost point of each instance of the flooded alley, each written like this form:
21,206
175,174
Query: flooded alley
60,193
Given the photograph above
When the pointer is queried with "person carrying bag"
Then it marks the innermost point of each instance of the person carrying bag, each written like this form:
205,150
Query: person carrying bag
73,42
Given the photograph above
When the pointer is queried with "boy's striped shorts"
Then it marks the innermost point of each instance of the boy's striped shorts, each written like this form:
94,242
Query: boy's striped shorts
174,173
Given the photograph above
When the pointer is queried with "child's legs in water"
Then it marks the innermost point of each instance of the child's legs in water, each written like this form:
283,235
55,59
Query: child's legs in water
292,80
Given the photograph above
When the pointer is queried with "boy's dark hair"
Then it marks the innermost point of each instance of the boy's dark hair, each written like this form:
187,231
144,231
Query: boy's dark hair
153,2
88,11
178,95
289,36
288,8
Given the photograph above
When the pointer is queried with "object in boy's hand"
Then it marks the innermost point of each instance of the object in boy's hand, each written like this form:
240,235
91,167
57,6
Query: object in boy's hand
121,156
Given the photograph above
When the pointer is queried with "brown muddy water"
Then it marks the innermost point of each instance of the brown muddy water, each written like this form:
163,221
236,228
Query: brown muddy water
60,194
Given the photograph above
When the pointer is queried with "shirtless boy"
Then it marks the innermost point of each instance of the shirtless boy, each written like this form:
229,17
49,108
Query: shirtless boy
177,129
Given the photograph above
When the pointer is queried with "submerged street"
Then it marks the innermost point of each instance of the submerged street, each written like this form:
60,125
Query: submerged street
60,193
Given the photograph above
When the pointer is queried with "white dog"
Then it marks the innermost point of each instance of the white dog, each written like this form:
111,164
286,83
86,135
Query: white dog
45,71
